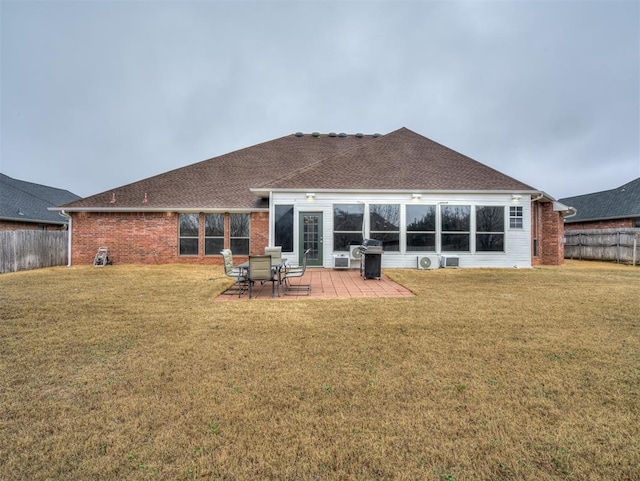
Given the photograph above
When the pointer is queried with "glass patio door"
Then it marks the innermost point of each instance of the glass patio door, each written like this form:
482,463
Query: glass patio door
310,229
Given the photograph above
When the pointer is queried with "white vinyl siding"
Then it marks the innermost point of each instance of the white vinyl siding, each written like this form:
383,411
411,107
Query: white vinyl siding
517,242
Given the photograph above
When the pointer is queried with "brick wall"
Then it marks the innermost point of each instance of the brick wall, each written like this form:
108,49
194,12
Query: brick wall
547,232
603,224
149,237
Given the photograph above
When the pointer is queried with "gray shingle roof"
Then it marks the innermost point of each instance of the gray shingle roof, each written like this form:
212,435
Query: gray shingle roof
400,160
28,202
620,203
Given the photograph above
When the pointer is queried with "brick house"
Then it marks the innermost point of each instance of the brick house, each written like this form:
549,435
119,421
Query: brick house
24,205
610,209
326,192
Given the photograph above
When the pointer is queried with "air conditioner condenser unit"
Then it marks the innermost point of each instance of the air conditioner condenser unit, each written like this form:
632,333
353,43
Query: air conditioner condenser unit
428,262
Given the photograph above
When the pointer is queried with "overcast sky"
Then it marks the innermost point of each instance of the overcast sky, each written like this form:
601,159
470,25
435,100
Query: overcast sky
98,94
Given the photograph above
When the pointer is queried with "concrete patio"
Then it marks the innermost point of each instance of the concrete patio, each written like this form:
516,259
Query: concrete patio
329,284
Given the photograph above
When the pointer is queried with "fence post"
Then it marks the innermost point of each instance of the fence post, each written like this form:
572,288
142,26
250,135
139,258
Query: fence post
580,245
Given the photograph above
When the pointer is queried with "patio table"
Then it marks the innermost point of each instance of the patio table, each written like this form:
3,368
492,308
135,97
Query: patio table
277,266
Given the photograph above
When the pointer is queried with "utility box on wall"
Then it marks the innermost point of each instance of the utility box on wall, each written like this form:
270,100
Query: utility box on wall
341,261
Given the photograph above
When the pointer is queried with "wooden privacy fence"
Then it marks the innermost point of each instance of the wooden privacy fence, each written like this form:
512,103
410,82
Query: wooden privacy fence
619,245
32,249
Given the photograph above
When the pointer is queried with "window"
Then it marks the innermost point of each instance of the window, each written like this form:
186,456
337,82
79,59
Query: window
239,234
347,225
489,228
284,227
456,228
213,234
515,217
189,234
421,228
384,225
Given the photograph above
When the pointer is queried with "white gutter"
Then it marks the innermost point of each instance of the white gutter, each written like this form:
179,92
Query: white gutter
261,192
180,210
62,213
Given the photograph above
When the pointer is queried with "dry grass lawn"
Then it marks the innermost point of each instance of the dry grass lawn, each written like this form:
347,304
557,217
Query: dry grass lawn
131,372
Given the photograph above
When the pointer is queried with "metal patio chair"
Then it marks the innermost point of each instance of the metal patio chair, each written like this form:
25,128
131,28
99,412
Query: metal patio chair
297,272
262,270
237,273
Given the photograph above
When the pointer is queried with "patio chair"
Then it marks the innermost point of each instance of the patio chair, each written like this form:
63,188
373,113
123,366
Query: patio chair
275,253
261,269
235,272
293,272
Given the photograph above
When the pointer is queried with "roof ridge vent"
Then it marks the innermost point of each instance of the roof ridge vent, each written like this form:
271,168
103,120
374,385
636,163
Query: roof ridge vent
299,134
342,134
332,134
376,135
359,135
315,134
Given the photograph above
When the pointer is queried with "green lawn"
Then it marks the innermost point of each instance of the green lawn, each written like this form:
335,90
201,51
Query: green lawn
132,372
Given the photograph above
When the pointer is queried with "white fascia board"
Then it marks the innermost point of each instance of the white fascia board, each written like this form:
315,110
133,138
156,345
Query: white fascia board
265,193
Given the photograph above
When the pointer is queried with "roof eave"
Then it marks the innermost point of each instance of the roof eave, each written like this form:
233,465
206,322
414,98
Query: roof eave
33,221
160,209
264,192
598,219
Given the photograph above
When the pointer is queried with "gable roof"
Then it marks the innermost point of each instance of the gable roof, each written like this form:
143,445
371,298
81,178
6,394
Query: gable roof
400,160
22,201
619,203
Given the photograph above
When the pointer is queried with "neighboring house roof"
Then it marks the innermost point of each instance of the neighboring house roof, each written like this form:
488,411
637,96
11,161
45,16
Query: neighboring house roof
620,203
22,201
400,160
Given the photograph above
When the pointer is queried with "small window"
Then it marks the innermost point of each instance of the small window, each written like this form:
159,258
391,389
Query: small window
284,227
421,228
384,225
347,225
213,234
456,228
189,234
515,217
239,233
489,228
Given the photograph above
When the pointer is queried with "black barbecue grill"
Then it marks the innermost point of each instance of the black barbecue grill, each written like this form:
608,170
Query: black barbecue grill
371,260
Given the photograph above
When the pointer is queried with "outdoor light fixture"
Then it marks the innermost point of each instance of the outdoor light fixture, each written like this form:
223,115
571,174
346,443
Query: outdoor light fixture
516,197
310,195
416,196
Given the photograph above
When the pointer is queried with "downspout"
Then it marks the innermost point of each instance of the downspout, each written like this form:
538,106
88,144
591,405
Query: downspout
62,213
534,227
272,224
